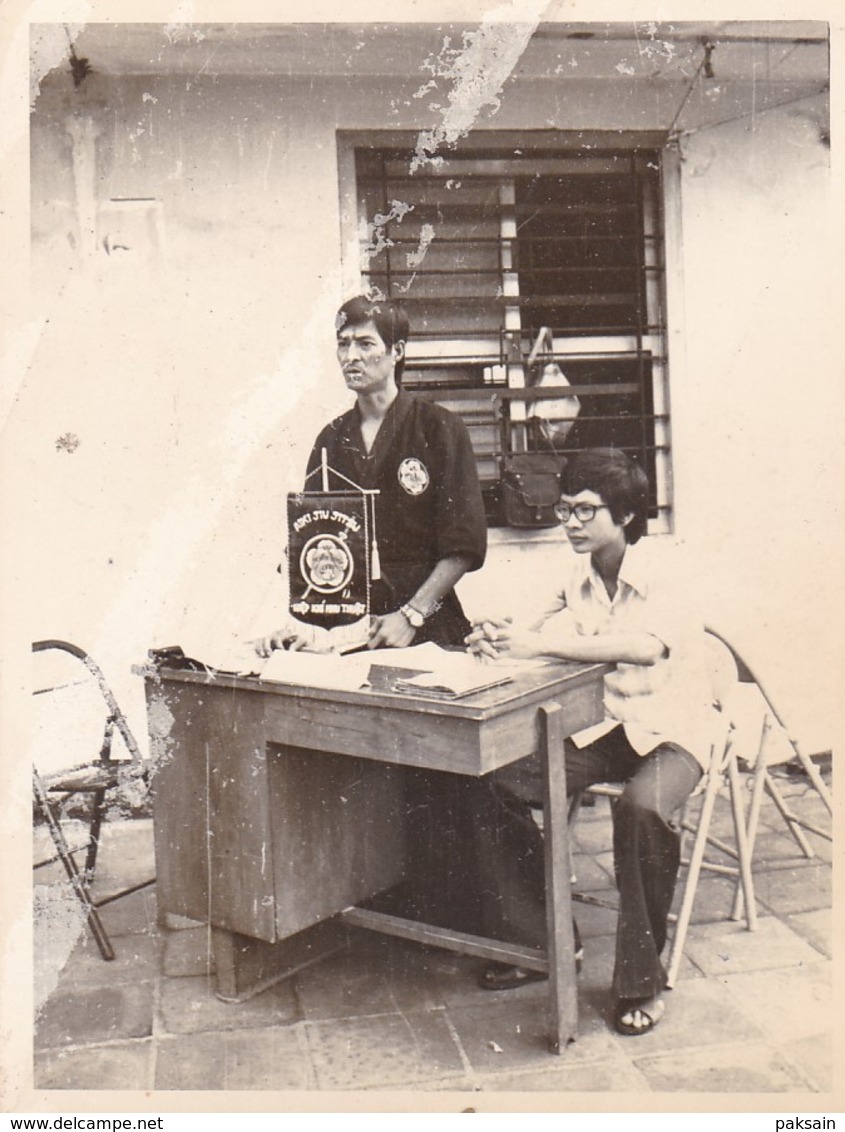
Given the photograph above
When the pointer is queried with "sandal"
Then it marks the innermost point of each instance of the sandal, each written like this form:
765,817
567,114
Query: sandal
636,1016
499,976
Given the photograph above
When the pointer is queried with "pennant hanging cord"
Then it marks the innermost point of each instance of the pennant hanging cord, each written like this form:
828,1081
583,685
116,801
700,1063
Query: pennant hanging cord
375,561
325,468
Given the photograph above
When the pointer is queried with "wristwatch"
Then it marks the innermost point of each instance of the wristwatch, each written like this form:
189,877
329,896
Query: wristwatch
413,616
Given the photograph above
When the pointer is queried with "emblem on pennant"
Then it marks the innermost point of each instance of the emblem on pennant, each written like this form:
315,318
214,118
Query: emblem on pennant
327,563
413,475
329,557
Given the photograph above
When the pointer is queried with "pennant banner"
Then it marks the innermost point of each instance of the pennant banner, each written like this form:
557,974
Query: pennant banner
328,557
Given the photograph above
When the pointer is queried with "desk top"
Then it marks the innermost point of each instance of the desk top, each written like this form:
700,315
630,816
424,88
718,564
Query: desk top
534,684
471,735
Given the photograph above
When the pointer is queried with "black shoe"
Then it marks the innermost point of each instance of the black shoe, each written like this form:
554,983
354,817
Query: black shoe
500,976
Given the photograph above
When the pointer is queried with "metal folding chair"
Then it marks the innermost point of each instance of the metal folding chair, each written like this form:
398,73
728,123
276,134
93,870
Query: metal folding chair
723,770
759,766
96,779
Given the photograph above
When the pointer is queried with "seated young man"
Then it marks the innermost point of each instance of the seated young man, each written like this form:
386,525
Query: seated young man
618,601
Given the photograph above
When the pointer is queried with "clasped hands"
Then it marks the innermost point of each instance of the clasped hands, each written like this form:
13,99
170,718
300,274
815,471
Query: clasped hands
495,637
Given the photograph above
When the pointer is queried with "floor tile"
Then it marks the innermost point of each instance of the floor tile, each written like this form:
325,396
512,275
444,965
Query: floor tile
714,898
126,857
136,959
421,977
816,928
815,1056
269,1058
773,848
119,1065
351,983
788,1004
187,952
58,925
597,972
95,1014
511,1031
455,981
594,920
803,888
589,875
386,1051
699,1012
612,1074
751,1068
134,913
189,1006
726,948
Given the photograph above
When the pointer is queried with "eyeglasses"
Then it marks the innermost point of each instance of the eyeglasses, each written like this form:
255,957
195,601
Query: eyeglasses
583,512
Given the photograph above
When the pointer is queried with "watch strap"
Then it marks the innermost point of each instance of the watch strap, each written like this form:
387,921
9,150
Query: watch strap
413,616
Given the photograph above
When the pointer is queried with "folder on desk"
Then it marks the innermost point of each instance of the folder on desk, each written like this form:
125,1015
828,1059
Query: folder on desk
456,675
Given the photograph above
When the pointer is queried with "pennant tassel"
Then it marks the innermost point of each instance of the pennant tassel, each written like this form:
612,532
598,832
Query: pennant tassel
375,561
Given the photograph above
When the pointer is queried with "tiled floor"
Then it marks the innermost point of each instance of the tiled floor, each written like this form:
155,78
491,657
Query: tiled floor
752,1012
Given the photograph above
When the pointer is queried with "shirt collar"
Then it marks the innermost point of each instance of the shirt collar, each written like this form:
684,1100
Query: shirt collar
633,572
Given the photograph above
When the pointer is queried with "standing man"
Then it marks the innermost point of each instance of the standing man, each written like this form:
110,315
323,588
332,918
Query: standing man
430,522
431,529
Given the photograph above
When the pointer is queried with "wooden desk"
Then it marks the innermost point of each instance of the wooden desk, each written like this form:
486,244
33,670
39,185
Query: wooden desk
275,810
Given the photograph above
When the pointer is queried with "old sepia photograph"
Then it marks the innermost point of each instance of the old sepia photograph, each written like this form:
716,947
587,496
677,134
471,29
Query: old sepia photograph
422,601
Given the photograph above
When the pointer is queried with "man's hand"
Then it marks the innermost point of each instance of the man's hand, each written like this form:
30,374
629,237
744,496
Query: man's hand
497,637
392,631
293,637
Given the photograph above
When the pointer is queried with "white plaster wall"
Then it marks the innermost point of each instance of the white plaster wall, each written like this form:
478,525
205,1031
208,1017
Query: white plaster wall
758,405
195,379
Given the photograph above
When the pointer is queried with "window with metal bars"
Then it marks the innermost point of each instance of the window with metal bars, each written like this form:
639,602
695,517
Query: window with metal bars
489,248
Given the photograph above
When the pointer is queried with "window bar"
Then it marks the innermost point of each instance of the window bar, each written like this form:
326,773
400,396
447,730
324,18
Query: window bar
640,301
655,283
388,281
514,418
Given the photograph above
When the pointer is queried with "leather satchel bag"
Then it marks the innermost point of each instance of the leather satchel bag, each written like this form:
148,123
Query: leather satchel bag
530,489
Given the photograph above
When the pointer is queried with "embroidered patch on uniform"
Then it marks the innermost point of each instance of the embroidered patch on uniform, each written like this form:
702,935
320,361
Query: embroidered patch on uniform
413,475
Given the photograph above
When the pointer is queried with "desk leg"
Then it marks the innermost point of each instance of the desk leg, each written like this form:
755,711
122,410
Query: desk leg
245,966
561,944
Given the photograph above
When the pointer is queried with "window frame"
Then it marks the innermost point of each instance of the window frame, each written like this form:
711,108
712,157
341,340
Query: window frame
562,145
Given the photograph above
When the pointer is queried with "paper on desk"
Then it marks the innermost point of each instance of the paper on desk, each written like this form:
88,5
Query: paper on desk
318,670
231,655
422,657
459,674
346,672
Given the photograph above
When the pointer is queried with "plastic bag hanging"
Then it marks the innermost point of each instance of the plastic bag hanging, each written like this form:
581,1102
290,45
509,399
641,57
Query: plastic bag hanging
554,416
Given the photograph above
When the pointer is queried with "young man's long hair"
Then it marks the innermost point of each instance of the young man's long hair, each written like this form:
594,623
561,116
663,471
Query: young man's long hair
618,479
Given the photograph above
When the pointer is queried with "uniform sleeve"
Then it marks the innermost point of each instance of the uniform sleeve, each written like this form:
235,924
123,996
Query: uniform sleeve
461,524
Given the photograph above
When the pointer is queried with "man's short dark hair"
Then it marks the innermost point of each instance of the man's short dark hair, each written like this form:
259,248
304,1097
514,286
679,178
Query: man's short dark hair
389,318
618,479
